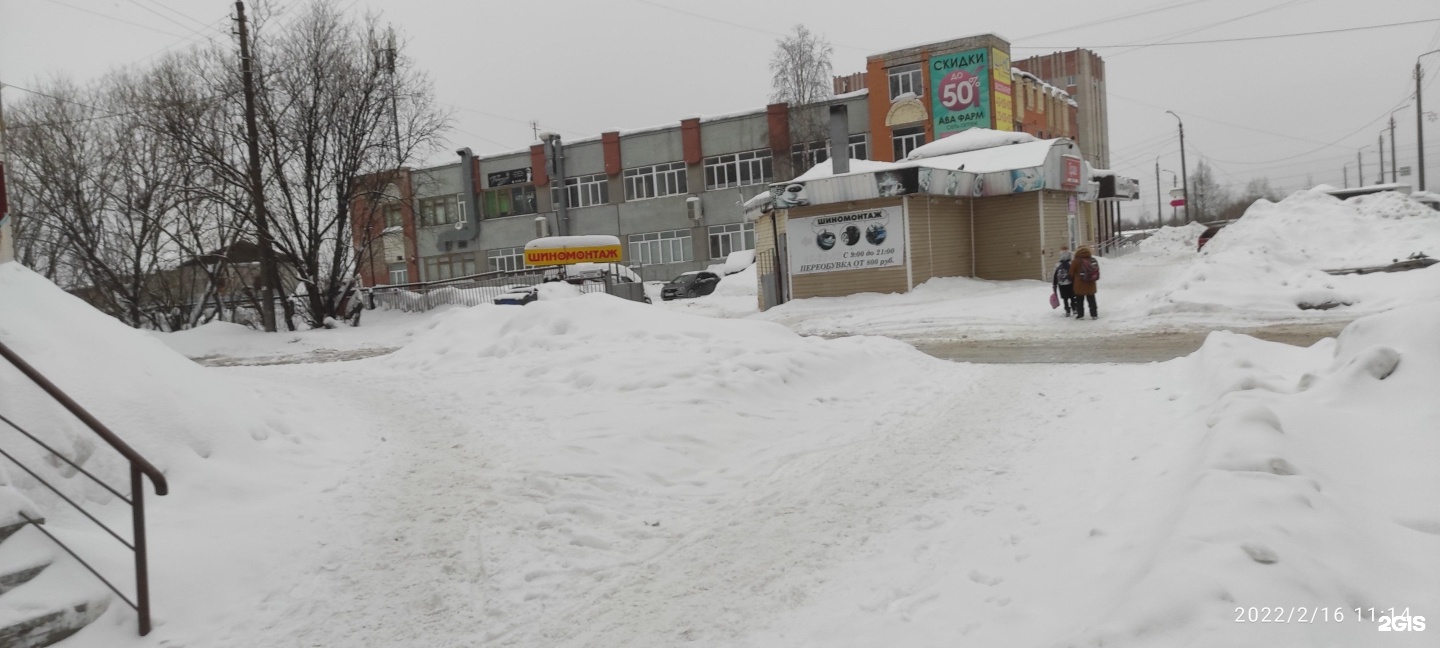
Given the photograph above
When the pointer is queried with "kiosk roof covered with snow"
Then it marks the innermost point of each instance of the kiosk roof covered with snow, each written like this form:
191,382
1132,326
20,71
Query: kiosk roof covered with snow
980,203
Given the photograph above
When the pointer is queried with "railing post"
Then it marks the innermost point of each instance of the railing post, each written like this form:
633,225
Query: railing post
142,567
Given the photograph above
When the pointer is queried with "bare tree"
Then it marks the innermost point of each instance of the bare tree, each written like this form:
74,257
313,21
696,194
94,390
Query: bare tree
801,75
1208,197
97,190
326,98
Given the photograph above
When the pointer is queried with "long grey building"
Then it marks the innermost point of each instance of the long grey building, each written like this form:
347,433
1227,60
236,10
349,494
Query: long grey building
673,194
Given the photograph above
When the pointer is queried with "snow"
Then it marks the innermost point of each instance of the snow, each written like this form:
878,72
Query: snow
1000,158
756,203
826,169
733,263
584,240
965,141
589,471
1172,240
1255,272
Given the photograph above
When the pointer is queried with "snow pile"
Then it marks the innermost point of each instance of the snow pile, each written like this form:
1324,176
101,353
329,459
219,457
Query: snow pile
735,262
168,408
972,139
1172,240
1271,261
1309,484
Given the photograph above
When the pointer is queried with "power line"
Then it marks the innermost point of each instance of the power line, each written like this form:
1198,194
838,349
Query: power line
179,13
122,20
1238,39
171,20
1113,18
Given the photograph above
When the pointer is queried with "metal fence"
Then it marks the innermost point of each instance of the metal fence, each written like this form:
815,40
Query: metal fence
772,282
481,289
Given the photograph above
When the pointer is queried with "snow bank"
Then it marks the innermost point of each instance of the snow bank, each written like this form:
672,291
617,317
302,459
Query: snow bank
733,263
168,408
1172,240
1311,483
973,139
1272,260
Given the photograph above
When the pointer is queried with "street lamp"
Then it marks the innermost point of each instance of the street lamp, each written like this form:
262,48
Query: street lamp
1184,172
1420,115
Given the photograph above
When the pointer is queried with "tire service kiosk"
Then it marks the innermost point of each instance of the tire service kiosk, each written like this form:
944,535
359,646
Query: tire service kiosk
980,203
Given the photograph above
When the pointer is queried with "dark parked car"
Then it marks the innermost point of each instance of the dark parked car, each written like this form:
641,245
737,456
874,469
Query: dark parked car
518,296
690,284
1208,234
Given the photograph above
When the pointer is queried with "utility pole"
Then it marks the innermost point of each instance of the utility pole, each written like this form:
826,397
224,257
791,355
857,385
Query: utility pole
1393,167
1184,172
1420,115
257,184
1381,137
1359,167
1345,169
1420,118
1157,191
535,128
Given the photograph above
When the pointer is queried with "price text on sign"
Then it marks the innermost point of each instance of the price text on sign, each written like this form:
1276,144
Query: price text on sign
960,90
565,256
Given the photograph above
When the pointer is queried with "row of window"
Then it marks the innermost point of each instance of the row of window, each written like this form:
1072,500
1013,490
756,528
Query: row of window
807,155
651,248
655,181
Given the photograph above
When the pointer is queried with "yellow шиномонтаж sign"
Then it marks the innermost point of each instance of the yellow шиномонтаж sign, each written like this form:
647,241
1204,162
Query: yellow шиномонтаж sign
568,255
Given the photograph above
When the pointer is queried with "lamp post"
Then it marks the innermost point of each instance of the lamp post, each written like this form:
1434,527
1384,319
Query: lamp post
1420,115
1184,172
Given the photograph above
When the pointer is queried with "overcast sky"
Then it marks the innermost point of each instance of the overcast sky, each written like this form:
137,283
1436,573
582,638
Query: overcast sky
1283,108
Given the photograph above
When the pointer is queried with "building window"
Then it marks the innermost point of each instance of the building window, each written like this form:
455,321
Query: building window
907,140
903,79
655,181
441,210
399,274
658,248
860,147
510,259
510,201
737,169
584,191
449,266
804,156
735,237
1070,81
391,212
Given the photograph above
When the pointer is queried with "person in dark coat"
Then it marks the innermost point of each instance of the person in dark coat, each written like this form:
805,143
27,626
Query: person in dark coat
1061,282
1084,290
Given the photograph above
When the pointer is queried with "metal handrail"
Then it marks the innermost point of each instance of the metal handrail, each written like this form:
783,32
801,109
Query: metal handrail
140,468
